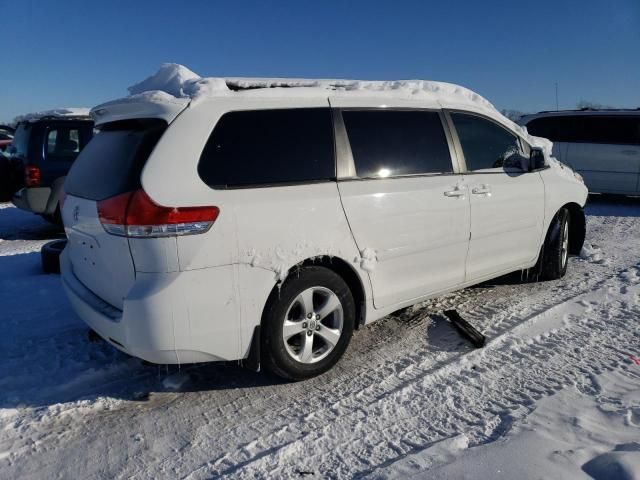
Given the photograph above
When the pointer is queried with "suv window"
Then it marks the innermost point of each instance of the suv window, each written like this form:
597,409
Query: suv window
618,129
262,147
20,142
388,143
112,161
486,144
62,143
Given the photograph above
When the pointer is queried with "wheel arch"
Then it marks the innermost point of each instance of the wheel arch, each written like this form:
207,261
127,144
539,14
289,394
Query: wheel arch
341,268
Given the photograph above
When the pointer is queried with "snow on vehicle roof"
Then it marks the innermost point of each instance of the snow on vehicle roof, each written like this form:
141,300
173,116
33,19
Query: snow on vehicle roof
175,83
180,82
56,113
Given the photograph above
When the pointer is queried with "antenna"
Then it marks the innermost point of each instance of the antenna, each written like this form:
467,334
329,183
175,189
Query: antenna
557,104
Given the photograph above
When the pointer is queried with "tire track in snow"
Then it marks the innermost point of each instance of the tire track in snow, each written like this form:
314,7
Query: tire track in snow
400,424
369,388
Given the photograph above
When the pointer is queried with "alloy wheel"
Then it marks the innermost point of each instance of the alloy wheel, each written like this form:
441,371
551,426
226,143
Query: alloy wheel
313,325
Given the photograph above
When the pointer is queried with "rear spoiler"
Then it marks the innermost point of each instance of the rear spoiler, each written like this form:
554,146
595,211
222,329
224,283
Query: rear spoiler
145,105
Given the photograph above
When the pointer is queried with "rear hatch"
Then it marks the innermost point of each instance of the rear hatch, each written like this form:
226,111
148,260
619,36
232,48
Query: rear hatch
110,165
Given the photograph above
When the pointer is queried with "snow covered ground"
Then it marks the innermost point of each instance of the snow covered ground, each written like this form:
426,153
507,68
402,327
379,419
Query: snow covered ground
554,394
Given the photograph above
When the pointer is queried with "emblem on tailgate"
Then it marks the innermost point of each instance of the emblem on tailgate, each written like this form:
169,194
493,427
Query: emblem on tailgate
76,213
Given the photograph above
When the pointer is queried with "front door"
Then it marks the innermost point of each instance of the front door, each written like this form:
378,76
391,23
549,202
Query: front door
507,201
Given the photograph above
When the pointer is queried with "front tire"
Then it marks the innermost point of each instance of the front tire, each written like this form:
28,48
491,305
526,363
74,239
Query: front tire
555,251
307,324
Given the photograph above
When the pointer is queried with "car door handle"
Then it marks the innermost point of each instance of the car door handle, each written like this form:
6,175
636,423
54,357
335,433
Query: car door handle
629,152
481,190
458,192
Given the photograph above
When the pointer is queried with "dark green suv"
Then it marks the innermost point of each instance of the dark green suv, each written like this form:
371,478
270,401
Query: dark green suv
43,150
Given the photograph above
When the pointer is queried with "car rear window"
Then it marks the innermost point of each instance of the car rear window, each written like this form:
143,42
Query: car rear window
20,143
112,161
602,129
387,143
268,147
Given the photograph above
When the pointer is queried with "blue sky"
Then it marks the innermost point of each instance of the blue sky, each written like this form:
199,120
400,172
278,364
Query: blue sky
81,53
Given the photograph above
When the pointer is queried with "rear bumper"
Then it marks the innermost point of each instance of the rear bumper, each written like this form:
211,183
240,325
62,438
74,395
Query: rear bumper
33,199
160,322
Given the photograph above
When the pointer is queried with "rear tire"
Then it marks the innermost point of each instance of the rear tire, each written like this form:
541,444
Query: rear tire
307,324
50,255
554,256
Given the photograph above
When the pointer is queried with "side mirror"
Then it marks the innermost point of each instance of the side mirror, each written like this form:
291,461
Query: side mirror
536,159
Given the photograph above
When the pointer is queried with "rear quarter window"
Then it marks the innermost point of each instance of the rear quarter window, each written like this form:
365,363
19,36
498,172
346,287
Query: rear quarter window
269,147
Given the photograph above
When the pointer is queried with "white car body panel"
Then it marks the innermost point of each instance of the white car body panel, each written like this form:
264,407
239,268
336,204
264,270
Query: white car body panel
102,262
199,297
420,236
152,105
506,222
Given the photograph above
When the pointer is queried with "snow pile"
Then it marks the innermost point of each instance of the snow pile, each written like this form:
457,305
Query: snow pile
368,259
170,78
57,113
180,82
592,253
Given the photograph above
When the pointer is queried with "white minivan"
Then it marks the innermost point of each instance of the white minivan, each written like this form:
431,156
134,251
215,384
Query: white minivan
602,145
264,221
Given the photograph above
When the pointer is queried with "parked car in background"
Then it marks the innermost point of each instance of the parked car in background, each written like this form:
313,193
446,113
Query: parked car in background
602,145
266,224
43,149
8,177
6,136
9,169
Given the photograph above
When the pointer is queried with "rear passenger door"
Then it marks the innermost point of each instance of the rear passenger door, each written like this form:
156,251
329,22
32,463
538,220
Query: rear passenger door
406,205
507,201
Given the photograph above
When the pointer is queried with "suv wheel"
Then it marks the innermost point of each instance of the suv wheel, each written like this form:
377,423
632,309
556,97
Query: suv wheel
307,324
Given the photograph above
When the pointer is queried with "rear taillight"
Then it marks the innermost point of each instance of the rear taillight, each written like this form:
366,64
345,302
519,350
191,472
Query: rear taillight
31,176
134,214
